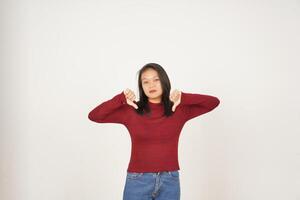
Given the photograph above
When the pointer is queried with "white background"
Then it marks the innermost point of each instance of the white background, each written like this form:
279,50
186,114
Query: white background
60,59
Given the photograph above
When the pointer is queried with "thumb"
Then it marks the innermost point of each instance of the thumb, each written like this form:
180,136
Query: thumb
132,103
173,108
135,106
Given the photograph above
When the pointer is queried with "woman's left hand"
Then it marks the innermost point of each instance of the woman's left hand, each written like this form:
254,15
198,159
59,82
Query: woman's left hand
175,97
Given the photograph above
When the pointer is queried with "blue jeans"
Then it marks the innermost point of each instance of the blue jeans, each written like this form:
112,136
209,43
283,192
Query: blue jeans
152,186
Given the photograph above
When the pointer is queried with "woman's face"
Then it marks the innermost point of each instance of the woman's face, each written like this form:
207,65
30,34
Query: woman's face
151,85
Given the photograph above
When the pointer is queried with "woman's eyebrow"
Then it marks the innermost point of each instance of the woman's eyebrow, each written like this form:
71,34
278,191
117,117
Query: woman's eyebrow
149,78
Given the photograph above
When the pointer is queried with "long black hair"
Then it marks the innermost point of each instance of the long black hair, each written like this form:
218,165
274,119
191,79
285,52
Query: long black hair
143,106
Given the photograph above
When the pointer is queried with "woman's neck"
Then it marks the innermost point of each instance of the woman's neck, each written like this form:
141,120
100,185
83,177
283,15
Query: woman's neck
158,100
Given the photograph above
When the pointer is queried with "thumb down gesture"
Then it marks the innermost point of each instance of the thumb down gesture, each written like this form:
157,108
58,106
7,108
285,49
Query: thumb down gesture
130,97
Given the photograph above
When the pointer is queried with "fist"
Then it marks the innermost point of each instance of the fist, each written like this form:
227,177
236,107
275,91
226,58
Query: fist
175,97
130,98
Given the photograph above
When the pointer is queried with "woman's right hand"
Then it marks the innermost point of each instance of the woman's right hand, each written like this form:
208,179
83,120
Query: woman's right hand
130,97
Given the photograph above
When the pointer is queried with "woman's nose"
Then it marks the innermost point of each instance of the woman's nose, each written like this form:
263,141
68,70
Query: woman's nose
152,84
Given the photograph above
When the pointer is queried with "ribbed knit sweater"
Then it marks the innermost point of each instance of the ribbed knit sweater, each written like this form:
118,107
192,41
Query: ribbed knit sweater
154,137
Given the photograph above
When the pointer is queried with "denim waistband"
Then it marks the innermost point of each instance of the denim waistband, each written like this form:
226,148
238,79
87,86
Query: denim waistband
157,173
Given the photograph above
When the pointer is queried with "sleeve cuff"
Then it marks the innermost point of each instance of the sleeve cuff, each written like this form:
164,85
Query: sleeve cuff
183,99
122,98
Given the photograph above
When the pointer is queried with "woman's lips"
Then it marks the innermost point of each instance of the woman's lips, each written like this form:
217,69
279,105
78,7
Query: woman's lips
151,91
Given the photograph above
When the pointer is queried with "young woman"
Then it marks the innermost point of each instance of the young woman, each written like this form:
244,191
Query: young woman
154,124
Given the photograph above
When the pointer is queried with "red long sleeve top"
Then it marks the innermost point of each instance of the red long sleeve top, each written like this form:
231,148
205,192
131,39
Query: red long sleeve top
154,138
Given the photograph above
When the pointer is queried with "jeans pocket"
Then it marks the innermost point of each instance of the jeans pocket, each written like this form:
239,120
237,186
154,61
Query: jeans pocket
174,174
134,175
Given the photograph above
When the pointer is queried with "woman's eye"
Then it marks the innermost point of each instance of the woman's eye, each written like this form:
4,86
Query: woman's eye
146,82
